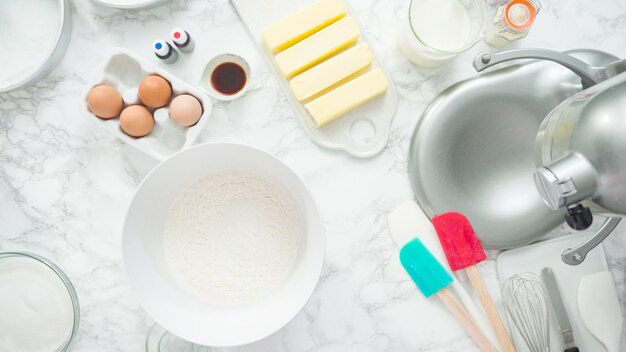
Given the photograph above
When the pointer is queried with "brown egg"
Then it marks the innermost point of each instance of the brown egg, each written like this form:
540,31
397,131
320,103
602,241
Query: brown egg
136,121
154,92
185,110
105,101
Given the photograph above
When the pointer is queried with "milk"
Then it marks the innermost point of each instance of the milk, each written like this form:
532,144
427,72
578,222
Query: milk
435,31
36,312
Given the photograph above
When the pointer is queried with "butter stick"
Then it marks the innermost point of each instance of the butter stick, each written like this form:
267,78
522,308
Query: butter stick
292,29
331,71
347,97
318,47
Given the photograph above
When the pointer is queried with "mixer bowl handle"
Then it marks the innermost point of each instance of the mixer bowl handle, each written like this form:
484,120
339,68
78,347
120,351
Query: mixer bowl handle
589,75
577,255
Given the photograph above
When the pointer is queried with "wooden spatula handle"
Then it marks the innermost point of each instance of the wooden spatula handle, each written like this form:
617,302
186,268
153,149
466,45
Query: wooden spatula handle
465,320
490,308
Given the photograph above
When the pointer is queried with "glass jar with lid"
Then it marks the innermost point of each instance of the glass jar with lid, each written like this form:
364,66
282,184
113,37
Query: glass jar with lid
512,21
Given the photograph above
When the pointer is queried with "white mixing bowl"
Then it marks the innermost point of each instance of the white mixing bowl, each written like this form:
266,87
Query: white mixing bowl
173,306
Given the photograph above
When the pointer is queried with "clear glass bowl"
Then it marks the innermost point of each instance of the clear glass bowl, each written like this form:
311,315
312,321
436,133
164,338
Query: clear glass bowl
66,282
161,340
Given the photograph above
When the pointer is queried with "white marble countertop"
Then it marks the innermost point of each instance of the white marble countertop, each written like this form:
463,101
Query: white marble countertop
65,184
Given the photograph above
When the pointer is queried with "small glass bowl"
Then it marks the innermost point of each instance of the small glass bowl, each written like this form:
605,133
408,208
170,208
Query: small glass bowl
161,340
66,281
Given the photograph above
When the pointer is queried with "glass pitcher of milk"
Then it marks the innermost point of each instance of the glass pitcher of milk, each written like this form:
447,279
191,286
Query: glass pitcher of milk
437,30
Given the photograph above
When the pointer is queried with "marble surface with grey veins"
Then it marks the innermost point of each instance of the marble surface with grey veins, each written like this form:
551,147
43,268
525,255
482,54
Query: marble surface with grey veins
65,183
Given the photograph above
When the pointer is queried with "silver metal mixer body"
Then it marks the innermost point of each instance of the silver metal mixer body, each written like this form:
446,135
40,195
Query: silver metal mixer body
581,150
468,154
581,146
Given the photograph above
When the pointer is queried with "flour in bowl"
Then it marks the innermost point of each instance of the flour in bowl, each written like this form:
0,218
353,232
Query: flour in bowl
231,237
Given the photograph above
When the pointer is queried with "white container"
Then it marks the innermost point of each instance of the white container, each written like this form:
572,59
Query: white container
362,132
123,70
173,306
435,31
50,49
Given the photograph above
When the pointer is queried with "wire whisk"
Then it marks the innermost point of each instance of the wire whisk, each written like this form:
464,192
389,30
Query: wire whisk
526,304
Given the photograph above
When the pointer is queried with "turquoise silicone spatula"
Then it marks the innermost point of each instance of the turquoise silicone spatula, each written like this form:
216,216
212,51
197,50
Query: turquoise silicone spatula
432,278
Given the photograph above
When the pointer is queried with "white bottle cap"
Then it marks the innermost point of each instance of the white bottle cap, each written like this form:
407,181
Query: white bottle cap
161,48
179,36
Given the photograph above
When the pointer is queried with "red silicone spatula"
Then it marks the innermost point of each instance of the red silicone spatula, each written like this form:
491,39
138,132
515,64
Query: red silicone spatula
463,251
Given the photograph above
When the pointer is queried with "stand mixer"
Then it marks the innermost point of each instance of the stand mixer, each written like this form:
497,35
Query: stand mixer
581,146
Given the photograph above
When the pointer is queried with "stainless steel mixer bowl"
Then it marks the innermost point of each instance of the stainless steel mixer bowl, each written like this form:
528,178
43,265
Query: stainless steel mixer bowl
473,149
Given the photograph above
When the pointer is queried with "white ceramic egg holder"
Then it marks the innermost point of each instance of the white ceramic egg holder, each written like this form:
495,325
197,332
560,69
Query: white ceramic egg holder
123,70
362,132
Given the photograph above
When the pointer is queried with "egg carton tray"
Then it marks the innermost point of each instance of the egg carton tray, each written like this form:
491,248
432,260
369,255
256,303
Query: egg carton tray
123,70
362,132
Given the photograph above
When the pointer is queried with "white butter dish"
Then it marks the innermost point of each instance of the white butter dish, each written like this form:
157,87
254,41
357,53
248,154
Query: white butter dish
362,132
123,70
